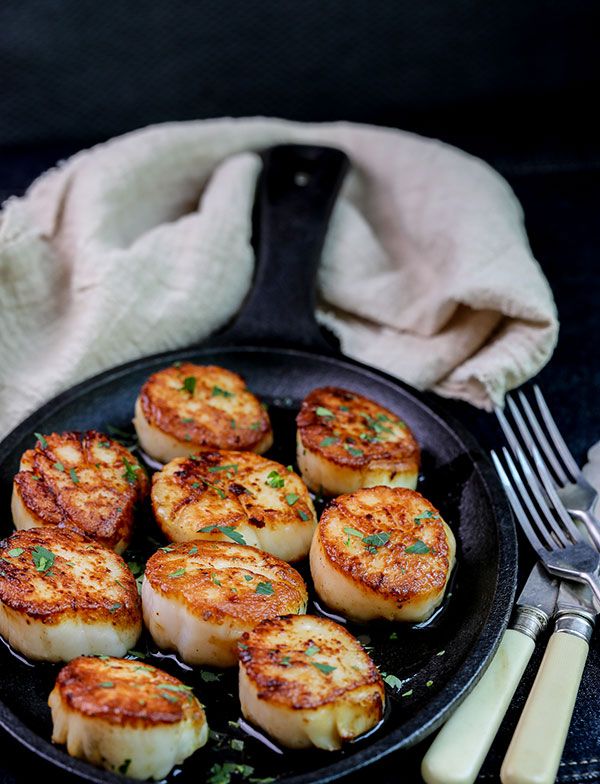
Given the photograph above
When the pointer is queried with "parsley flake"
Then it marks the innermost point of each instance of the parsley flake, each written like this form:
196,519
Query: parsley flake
393,681
248,578
215,579
265,589
16,552
407,693
220,392
426,515
73,475
311,650
42,440
178,572
291,498
376,540
302,515
106,684
274,479
419,547
354,451
210,677
116,606
324,412
324,668
59,466
189,385
329,441
130,469
231,468
226,530
43,559
285,661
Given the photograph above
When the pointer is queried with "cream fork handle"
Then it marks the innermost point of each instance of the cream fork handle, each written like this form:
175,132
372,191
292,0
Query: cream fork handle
533,756
457,753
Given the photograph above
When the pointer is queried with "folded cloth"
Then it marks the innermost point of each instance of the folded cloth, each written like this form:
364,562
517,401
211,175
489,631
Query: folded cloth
142,244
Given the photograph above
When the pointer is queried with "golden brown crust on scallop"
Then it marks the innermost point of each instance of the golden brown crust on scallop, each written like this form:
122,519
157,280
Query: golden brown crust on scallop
214,411
80,579
218,580
275,659
125,692
227,488
357,433
84,481
407,519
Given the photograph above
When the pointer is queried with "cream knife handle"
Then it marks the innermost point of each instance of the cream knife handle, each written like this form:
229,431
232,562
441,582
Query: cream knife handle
534,753
457,753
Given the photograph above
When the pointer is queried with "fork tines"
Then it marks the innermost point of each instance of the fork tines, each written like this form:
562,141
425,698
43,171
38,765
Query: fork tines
543,518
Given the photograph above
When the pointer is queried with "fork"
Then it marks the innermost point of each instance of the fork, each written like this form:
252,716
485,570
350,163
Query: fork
573,489
536,748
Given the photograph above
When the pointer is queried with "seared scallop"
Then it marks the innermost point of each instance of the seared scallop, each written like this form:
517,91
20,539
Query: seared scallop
308,682
63,595
235,496
187,407
85,481
200,597
382,552
125,716
346,441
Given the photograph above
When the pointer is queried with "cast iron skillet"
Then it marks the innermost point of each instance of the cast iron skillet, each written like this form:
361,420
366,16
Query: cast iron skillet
276,344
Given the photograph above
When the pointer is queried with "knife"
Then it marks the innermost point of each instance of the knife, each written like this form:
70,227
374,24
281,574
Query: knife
537,744
457,753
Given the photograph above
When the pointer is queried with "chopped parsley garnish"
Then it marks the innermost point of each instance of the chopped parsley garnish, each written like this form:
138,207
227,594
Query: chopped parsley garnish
285,661
237,744
255,426
137,654
222,773
419,547
42,440
221,493
220,392
193,551
393,681
291,498
354,451
353,532
311,650
248,578
43,559
178,572
440,653
59,466
302,515
429,683
426,515
231,468
116,606
16,552
407,693
215,579
73,475
232,424
329,441
104,444
376,540
393,636
175,687
168,697
226,530
210,677
106,684
187,420
324,412
265,589
324,668
344,408
189,385
130,469
274,479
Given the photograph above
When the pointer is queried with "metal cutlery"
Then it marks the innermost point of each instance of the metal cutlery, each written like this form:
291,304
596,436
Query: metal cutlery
534,754
458,751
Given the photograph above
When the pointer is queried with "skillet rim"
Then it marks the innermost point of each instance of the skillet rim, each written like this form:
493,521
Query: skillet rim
472,667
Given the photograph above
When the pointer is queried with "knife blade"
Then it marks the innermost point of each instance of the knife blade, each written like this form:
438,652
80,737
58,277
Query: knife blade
458,751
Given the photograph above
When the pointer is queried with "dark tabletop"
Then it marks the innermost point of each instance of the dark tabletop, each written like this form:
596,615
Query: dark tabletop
560,201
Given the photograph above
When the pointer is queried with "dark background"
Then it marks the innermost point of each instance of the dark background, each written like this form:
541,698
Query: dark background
514,82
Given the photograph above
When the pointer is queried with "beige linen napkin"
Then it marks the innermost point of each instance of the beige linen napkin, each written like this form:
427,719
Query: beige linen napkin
143,244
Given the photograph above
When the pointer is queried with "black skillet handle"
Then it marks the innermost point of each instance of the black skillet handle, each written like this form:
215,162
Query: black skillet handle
295,195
